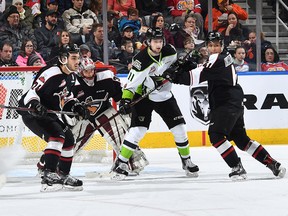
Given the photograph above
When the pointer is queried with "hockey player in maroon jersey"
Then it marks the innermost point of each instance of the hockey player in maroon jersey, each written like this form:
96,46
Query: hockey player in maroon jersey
51,89
94,88
226,104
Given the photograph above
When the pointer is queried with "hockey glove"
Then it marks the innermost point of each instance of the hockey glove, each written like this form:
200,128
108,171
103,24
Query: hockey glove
171,73
39,110
125,106
81,110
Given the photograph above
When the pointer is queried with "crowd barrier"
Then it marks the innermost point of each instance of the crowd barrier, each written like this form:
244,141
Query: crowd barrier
266,111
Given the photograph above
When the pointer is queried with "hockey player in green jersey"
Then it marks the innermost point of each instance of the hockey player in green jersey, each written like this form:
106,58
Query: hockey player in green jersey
147,67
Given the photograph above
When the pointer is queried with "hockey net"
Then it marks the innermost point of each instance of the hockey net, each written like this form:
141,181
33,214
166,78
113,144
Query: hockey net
14,82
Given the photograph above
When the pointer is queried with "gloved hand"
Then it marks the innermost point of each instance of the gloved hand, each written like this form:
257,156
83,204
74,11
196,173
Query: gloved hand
125,106
39,110
81,110
170,73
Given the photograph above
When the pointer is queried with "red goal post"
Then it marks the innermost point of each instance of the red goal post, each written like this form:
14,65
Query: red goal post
14,82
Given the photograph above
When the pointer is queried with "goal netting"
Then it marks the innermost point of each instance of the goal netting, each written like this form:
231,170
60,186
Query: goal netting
14,82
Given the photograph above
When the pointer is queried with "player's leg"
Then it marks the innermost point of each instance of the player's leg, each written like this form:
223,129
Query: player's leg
49,130
135,133
172,116
221,123
65,162
255,149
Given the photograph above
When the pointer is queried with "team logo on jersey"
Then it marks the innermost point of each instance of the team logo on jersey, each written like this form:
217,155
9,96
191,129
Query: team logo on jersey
93,105
199,105
136,64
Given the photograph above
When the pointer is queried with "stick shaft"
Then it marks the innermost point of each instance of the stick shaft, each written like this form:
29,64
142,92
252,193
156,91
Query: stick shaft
32,110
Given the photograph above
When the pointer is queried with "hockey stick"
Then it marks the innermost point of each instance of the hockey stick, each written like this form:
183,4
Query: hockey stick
118,113
32,110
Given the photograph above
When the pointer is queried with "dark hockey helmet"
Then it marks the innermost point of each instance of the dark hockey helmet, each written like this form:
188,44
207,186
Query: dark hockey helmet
214,36
67,49
154,33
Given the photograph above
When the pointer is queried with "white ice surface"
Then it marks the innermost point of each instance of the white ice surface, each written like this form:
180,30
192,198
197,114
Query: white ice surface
160,190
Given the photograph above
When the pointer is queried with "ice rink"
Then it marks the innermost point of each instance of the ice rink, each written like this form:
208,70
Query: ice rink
161,190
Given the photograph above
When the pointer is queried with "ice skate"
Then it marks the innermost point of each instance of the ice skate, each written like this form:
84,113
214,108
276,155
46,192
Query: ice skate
190,168
41,166
238,172
120,170
276,168
51,182
70,183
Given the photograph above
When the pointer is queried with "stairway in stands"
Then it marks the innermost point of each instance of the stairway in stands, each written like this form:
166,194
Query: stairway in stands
268,26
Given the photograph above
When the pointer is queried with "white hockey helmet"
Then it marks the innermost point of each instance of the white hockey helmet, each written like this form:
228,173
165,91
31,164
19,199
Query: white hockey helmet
85,65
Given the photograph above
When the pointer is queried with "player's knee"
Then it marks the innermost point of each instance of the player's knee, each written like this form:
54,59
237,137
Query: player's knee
242,142
135,134
216,137
179,133
69,139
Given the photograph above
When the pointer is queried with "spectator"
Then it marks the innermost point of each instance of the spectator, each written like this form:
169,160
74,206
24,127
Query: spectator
125,57
159,21
12,31
47,35
189,30
113,31
34,60
132,20
190,53
52,5
85,51
234,31
220,11
180,9
6,50
204,54
128,34
27,49
35,6
96,7
96,45
120,7
250,46
78,20
151,7
239,63
271,60
64,37
25,12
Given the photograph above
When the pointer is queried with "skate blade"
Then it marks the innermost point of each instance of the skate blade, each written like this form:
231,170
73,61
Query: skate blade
239,177
282,172
72,188
117,176
53,188
191,174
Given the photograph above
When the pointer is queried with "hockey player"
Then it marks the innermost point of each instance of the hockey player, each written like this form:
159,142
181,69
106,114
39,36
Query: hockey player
94,89
226,104
148,66
51,89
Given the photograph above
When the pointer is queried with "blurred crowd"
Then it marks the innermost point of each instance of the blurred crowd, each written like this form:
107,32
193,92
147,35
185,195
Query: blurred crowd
32,31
